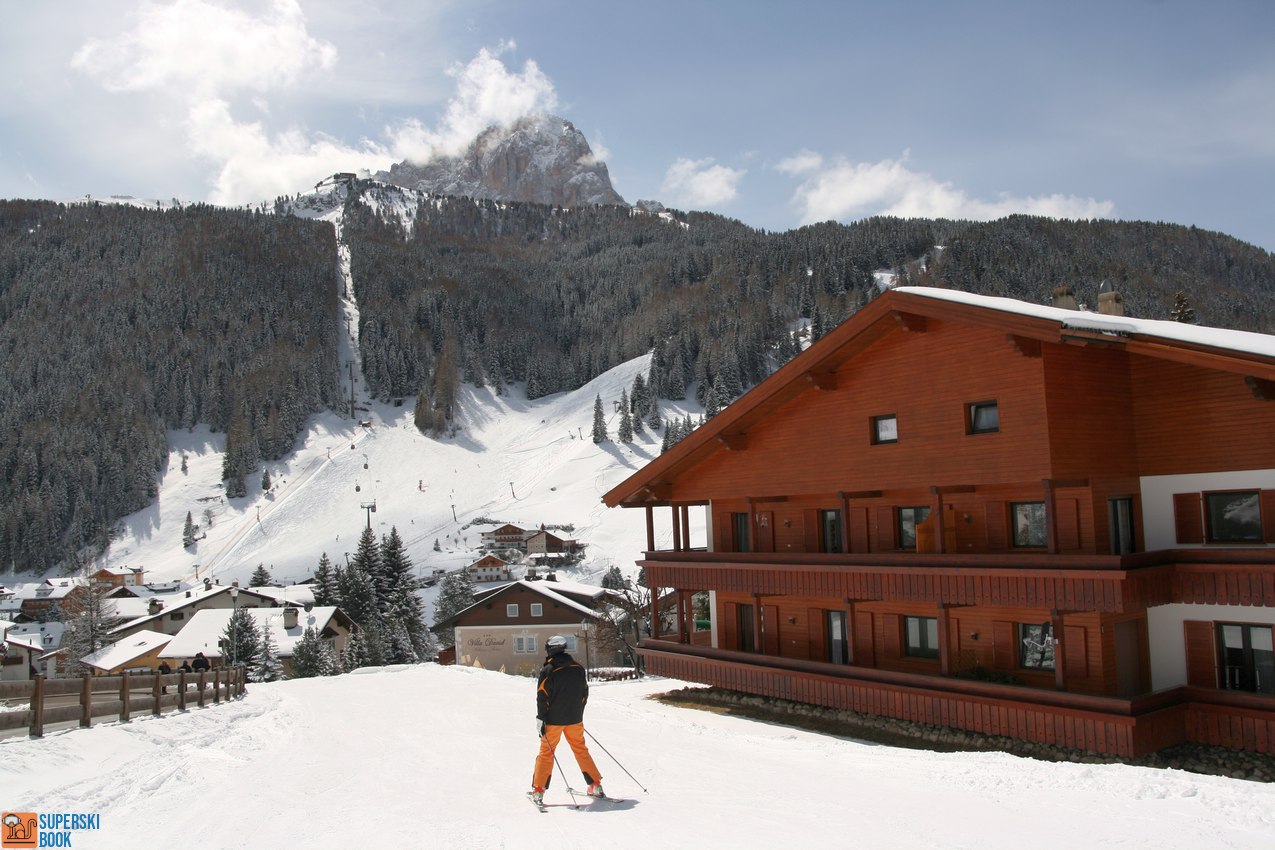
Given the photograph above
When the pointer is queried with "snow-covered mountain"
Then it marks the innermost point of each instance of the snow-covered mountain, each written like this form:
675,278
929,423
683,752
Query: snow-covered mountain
540,159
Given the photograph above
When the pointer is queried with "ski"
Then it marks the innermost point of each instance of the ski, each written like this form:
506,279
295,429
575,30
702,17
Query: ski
539,805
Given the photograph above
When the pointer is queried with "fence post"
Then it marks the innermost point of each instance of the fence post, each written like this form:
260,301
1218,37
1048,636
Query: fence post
216,685
124,697
37,707
86,701
156,692
181,691
202,675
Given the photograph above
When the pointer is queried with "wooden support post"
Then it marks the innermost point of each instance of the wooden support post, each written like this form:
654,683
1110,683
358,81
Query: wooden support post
677,527
157,693
845,523
124,697
683,634
37,708
86,701
936,511
181,690
1060,668
1051,519
686,528
650,528
655,612
202,678
757,641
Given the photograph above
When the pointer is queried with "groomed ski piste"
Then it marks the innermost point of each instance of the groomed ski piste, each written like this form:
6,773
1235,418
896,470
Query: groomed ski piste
430,756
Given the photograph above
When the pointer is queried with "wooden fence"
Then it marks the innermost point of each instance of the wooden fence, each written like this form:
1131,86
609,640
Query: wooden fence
53,701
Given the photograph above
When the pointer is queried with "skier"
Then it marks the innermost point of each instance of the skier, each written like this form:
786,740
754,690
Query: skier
561,694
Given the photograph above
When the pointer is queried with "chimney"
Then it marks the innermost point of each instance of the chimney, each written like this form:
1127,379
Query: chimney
207,584
289,618
155,606
551,576
1109,301
1064,298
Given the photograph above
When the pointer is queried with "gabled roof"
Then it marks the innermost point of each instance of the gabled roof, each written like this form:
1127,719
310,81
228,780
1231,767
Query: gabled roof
177,602
206,628
908,308
546,589
126,649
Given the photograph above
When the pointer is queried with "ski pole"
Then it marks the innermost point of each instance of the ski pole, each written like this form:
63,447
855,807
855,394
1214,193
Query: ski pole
565,782
616,760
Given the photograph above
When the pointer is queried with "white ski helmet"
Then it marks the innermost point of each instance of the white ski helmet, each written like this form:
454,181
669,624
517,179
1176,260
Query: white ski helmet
556,644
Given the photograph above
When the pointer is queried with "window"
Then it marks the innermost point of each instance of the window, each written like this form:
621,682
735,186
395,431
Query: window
983,418
511,610
885,429
177,615
747,637
1233,517
838,644
537,609
524,644
909,519
571,643
830,531
1029,523
1036,646
1248,657
922,636
740,524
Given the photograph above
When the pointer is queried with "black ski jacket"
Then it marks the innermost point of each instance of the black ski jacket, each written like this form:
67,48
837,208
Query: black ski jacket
561,691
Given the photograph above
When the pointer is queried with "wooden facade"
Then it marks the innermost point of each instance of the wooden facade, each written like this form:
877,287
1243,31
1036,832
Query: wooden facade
989,515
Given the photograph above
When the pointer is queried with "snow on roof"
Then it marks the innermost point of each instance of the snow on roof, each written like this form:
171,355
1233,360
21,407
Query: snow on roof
32,642
293,594
206,628
128,649
1245,341
49,634
553,590
178,601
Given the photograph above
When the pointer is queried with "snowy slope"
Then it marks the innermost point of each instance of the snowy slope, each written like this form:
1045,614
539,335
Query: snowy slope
433,756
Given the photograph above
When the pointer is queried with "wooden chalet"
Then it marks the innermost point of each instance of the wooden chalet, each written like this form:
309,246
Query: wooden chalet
979,513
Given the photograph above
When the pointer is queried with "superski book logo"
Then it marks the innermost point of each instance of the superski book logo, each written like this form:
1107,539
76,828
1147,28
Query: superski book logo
29,829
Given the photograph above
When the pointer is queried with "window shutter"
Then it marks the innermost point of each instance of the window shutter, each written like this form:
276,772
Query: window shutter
1188,522
858,529
893,635
817,627
1004,652
1268,515
1201,657
885,529
811,530
722,531
864,651
997,525
730,625
1075,653
1068,525
770,629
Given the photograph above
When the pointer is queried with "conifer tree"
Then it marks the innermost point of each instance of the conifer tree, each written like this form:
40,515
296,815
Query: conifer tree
358,594
367,559
599,421
265,480
89,614
268,668
405,607
456,593
326,589
241,642
625,433
1182,310
188,531
260,577
312,657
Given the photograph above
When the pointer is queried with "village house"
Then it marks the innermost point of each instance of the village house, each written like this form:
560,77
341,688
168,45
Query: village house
121,576
505,537
206,629
985,514
490,568
169,614
506,628
139,652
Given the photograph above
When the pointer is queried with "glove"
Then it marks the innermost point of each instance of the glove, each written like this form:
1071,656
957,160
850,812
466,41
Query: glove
540,727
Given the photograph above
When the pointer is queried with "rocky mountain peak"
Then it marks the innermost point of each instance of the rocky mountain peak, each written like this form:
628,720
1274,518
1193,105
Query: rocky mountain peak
539,159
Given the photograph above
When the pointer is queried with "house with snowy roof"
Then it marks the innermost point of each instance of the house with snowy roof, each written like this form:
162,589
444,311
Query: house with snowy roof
972,511
507,536
138,652
170,613
507,626
490,568
204,632
121,576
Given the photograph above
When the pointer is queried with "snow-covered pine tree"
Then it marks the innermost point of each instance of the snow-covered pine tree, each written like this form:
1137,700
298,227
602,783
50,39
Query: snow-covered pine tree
1182,310
653,420
268,667
240,640
456,593
260,577
354,656
405,604
367,558
312,657
188,531
326,588
358,594
625,433
599,421
265,480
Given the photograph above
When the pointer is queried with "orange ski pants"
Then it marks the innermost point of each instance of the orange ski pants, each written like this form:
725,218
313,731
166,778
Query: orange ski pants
574,734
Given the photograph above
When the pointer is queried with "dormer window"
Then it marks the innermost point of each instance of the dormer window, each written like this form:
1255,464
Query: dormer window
982,417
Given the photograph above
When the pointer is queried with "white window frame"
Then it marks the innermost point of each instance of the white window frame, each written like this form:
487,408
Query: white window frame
511,609
537,609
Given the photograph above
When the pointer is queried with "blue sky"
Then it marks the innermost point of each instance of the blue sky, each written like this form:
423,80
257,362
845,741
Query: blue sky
778,114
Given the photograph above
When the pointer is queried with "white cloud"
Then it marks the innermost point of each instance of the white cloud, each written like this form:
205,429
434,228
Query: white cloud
206,48
803,162
700,183
487,93
845,191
